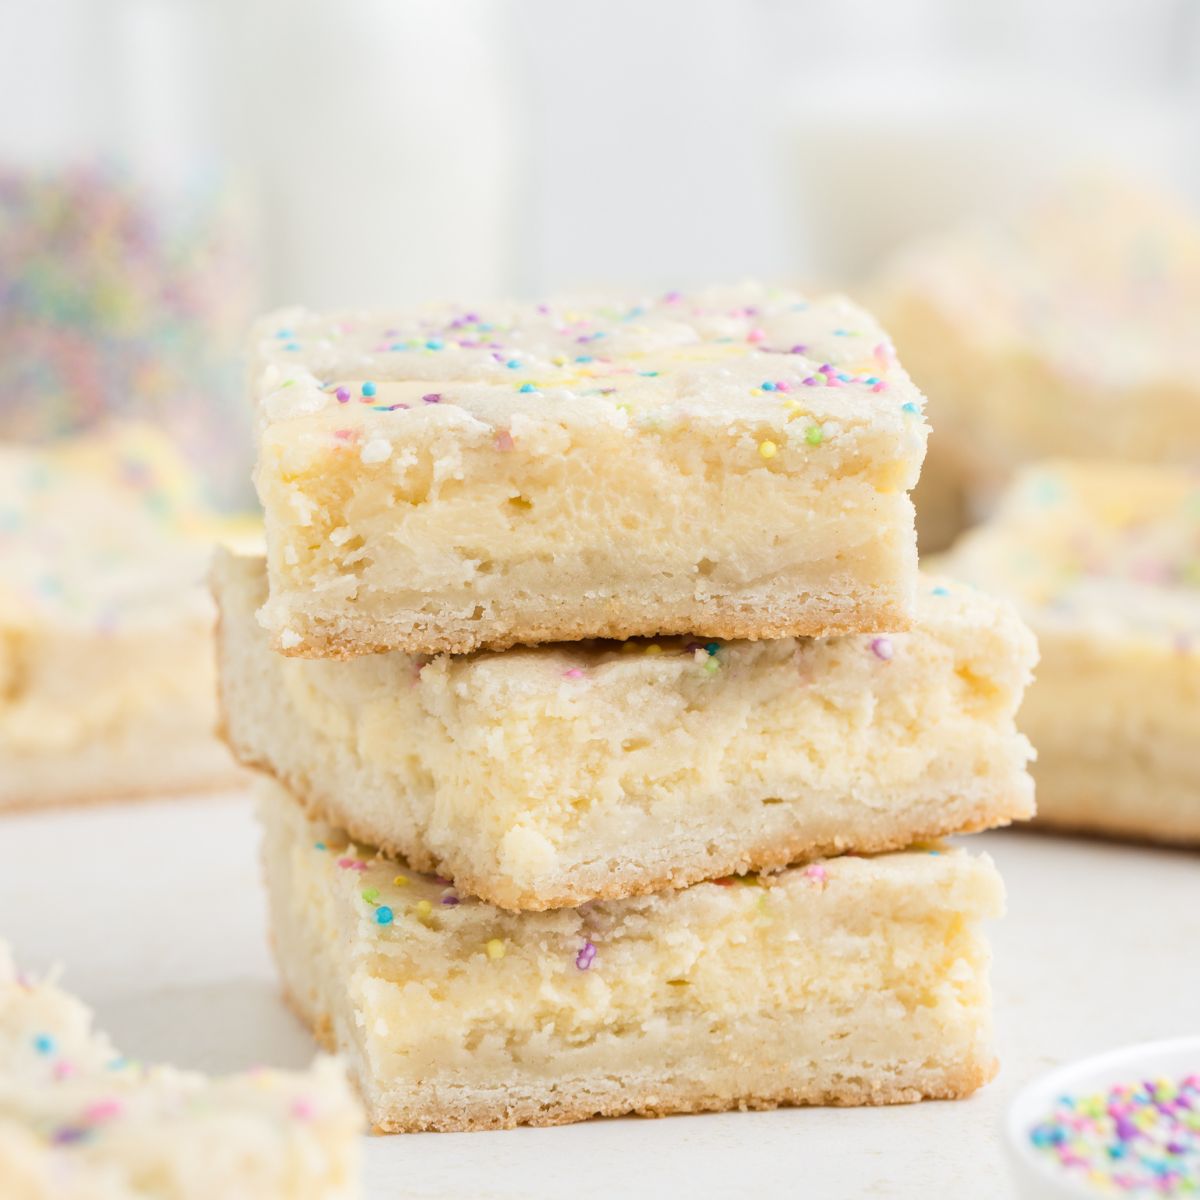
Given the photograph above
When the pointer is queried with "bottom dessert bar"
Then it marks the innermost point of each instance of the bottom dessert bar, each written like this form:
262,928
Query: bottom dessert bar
848,981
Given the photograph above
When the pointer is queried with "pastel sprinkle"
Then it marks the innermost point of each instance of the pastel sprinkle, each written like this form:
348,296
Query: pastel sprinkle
909,407
370,895
495,949
352,864
343,395
941,591
817,873
1140,1137
712,647
813,436
527,387
756,335
573,673
432,398
434,344
384,915
586,956
882,648
767,448
400,881
43,1043
369,389
320,846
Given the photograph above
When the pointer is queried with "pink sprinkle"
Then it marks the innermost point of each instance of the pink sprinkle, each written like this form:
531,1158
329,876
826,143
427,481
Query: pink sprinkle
503,440
351,864
882,647
883,352
672,297
783,386
573,673
304,1110
344,435
816,872
103,1110
433,398
756,335
64,1070
881,386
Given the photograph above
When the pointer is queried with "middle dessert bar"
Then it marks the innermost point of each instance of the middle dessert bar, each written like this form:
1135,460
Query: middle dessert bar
545,777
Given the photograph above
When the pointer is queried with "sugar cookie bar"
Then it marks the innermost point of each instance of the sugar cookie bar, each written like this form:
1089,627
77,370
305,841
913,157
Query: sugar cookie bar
849,981
547,776
1068,328
1104,561
80,1122
106,673
730,464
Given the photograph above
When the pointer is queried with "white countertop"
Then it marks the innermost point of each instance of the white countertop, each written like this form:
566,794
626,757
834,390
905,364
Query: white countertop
156,913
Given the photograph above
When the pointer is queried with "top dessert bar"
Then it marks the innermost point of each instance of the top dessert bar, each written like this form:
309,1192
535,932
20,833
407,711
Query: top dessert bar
734,463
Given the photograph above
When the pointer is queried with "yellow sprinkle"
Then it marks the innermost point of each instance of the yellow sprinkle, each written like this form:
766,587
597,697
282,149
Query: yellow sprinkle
678,982
495,949
768,449
654,648
400,881
424,908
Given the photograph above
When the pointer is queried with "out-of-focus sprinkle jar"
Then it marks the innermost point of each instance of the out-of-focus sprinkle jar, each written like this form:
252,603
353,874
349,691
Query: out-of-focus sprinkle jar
128,271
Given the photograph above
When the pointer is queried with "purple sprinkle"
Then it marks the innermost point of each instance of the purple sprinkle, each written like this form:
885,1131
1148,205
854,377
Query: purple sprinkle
343,395
433,398
450,900
882,647
810,382
799,349
67,1135
584,958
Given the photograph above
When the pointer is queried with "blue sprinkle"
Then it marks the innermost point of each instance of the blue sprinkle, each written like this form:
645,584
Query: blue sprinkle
527,387
910,407
383,915
713,647
284,335
44,1043
321,846
584,358
398,346
292,346
941,591
513,364
843,378
648,374
369,389
434,344
767,387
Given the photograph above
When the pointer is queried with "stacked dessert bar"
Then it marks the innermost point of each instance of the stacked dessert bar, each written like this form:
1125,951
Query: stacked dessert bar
607,717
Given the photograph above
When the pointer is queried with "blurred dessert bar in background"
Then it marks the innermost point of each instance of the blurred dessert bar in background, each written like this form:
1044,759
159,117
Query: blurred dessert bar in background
1103,560
730,463
107,683
80,1121
1071,330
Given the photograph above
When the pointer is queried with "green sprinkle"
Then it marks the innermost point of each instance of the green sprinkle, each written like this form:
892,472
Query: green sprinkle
814,436
370,895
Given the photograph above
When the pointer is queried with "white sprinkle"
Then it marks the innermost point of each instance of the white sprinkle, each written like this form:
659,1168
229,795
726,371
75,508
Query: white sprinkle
377,450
